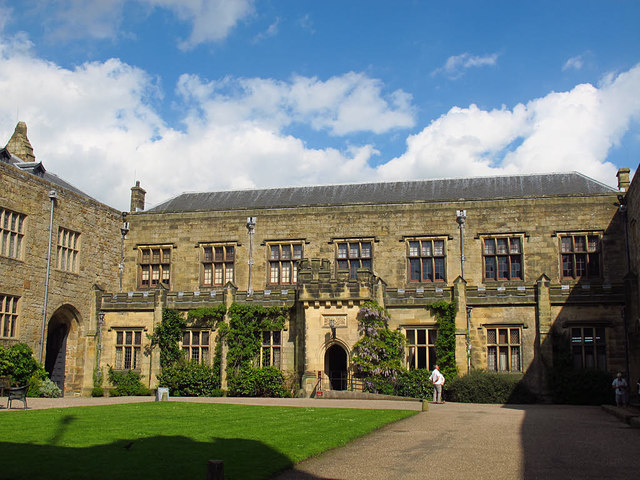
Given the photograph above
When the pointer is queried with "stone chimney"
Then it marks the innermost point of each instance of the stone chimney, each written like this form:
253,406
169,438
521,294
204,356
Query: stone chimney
19,144
623,179
137,197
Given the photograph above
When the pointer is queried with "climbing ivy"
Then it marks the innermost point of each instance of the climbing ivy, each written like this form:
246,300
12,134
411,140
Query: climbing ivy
207,316
167,336
445,313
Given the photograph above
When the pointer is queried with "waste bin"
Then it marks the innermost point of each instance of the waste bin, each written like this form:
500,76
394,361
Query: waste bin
162,394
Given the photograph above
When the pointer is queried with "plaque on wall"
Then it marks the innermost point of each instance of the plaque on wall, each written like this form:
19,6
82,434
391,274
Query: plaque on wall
339,320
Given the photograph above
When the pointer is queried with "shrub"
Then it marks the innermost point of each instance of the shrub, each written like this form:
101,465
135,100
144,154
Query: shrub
415,384
97,392
488,387
18,363
258,382
48,389
380,384
581,387
190,379
126,383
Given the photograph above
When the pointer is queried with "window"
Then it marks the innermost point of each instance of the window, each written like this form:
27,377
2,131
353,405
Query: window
588,347
270,349
195,345
354,255
426,261
503,349
217,264
580,255
502,258
421,344
283,263
8,315
11,233
155,266
68,247
128,343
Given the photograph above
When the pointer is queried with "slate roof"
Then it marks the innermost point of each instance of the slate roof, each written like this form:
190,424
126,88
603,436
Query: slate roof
37,169
449,189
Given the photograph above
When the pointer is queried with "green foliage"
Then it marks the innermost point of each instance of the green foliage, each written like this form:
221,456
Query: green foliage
243,335
258,382
167,336
97,392
412,384
489,387
445,313
18,363
190,379
380,351
126,382
46,389
207,316
576,386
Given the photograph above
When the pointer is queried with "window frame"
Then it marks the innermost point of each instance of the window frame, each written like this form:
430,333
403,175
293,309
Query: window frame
499,260
269,347
146,268
498,346
598,344
353,261
425,349
12,232
281,261
211,264
9,314
200,351
574,253
425,261
68,251
135,345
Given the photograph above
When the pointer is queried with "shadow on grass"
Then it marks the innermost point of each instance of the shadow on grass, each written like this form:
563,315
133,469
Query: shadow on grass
142,458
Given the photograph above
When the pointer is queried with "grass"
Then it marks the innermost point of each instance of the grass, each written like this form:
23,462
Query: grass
173,440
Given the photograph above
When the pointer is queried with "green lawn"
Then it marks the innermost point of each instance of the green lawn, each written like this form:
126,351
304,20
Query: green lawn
173,440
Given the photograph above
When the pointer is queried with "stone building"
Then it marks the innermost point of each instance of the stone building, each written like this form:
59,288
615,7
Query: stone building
522,256
46,281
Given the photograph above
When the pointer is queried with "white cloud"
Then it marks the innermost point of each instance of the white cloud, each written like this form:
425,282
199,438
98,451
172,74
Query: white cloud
456,66
271,31
575,63
562,131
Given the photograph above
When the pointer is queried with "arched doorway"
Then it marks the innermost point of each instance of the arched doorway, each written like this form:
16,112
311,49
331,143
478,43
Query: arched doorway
56,352
335,366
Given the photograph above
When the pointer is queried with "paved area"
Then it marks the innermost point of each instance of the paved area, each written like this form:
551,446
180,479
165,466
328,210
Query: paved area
458,441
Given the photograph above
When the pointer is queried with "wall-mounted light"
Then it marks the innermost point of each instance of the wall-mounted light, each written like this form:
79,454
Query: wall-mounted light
332,325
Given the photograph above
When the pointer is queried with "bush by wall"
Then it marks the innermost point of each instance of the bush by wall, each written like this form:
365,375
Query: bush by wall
581,387
489,387
126,382
258,382
411,383
18,363
190,379
44,388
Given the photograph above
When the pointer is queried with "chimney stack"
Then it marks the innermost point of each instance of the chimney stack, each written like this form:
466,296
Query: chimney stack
137,197
19,144
623,179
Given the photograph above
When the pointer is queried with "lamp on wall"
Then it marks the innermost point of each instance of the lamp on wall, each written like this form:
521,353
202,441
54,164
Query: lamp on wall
332,325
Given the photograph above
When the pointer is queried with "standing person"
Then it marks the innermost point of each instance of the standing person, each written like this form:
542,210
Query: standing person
621,387
438,381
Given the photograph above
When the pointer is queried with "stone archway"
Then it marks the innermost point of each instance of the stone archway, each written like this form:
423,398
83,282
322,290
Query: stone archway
335,366
56,347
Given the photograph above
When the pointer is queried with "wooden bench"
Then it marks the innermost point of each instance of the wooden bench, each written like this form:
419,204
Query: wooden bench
18,393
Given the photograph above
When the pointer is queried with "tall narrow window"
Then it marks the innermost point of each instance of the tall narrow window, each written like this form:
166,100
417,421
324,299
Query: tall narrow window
68,248
128,348
502,257
580,256
503,349
11,233
283,263
353,255
195,345
426,260
155,266
217,264
589,347
270,351
8,315
421,343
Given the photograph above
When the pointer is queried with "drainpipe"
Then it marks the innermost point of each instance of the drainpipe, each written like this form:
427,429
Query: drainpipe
622,205
461,217
469,310
53,195
251,226
123,230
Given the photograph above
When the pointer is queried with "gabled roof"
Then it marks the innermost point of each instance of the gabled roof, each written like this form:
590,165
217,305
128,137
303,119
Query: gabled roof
450,189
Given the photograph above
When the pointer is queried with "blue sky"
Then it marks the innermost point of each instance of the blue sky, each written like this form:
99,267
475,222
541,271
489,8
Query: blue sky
196,95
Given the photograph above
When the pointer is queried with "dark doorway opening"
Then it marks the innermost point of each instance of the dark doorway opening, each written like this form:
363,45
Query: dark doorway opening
335,365
56,351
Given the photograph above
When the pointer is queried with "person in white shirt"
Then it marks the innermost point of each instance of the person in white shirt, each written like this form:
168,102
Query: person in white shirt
438,381
622,389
